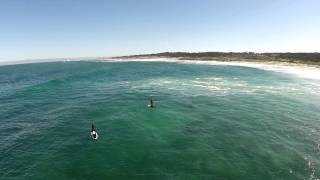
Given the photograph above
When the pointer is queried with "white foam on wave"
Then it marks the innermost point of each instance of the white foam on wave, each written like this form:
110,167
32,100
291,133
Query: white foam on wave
192,86
301,70
222,86
209,86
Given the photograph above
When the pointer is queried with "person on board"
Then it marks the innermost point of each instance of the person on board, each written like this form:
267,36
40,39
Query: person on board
151,105
93,131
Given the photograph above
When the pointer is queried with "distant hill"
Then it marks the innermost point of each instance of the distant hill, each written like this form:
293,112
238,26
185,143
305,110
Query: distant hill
306,58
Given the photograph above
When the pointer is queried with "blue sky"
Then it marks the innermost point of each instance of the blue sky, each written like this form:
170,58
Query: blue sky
66,28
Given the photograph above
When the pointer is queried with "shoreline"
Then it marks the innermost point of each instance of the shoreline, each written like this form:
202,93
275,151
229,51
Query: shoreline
299,69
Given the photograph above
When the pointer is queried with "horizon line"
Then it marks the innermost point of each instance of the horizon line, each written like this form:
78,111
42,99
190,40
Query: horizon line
140,54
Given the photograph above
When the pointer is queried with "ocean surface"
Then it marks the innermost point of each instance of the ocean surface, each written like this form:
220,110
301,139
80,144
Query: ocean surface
210,122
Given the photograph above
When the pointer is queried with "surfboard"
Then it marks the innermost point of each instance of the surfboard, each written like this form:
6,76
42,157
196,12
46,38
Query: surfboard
95,138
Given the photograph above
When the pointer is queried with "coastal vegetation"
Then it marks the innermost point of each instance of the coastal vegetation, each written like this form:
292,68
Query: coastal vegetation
304,58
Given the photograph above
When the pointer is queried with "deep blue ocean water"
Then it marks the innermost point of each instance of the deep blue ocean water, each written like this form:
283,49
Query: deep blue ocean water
210,122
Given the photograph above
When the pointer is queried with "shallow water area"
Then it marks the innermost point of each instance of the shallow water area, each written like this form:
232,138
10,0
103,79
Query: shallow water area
211,121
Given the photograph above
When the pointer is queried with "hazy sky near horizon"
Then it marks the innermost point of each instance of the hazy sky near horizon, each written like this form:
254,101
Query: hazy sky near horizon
65,28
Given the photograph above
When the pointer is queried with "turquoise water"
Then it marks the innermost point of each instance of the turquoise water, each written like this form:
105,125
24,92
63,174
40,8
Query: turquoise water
211,122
